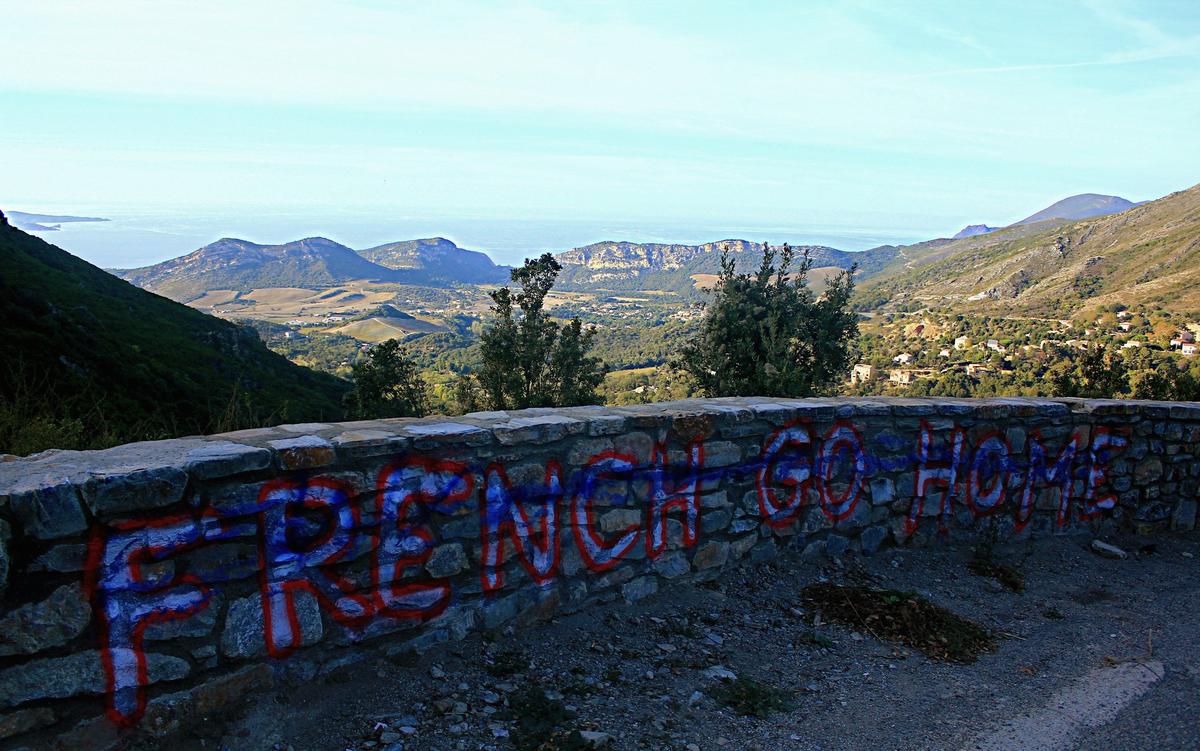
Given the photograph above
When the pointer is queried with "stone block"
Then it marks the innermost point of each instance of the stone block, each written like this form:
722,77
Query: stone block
76,674
714,520
25,720
721,454
49,623
1184,517
66,558
872,538
836,545
763,551
172,712
243,636
711,555
446,560
639,588
225,458
46,508
303,452
672,565
539,429
883,491
739,547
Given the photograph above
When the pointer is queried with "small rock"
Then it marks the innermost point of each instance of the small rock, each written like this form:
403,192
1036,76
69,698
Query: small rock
596,739
1108,551
720,673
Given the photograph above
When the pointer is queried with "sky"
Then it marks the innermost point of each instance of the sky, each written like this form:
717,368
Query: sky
853,114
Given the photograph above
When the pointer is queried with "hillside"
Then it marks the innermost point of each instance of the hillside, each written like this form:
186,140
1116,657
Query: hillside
1147,255
386,322
312,263
685,268
91,359
242,266
438,258
1082,206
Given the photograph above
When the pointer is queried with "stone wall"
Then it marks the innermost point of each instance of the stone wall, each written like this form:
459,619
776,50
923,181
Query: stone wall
148,585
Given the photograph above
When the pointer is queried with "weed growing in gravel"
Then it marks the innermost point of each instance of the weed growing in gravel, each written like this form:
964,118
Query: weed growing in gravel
813,638
985,563
542,723
903,617
507,662
752,698
1009,577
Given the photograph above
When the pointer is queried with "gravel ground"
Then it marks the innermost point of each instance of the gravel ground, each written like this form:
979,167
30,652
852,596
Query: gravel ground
647,676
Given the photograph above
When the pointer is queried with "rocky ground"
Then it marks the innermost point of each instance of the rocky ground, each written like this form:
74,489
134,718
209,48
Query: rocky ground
1095,653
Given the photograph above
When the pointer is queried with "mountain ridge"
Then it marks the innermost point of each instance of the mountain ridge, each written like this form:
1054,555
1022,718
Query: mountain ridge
629,265
232,263
1148,254
1080,206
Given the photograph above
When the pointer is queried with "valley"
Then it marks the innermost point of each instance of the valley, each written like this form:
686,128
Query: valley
1042,289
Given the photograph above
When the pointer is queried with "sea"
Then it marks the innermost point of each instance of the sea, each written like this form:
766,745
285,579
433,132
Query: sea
135,238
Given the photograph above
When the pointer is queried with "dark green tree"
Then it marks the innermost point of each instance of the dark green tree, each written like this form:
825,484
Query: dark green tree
466,394
1168,383
1100,373
387,384
767,333
528,359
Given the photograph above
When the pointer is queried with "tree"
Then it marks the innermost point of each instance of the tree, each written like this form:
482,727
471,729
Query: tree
387,384
466,393
767,334
1168,383
528,359
1099,374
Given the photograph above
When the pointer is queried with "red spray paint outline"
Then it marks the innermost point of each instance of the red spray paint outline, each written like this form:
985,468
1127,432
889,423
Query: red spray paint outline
685,501
548,523
581,503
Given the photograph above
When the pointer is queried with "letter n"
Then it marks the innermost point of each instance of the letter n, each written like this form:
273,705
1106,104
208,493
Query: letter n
505,512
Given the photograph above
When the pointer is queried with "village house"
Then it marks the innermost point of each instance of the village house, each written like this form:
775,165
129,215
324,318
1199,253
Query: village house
1190,349
905,376
862,373
902,359
962,342
995,346
1182,338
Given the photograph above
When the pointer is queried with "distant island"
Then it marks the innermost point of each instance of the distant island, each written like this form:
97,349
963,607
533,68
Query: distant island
46,222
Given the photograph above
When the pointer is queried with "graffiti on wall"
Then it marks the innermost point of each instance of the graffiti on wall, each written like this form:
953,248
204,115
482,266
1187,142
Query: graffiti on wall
306,528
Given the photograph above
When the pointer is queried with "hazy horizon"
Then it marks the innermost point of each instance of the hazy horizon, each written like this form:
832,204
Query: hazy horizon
135,238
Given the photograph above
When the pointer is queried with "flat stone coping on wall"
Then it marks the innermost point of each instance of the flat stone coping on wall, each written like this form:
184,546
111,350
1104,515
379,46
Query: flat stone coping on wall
41,489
